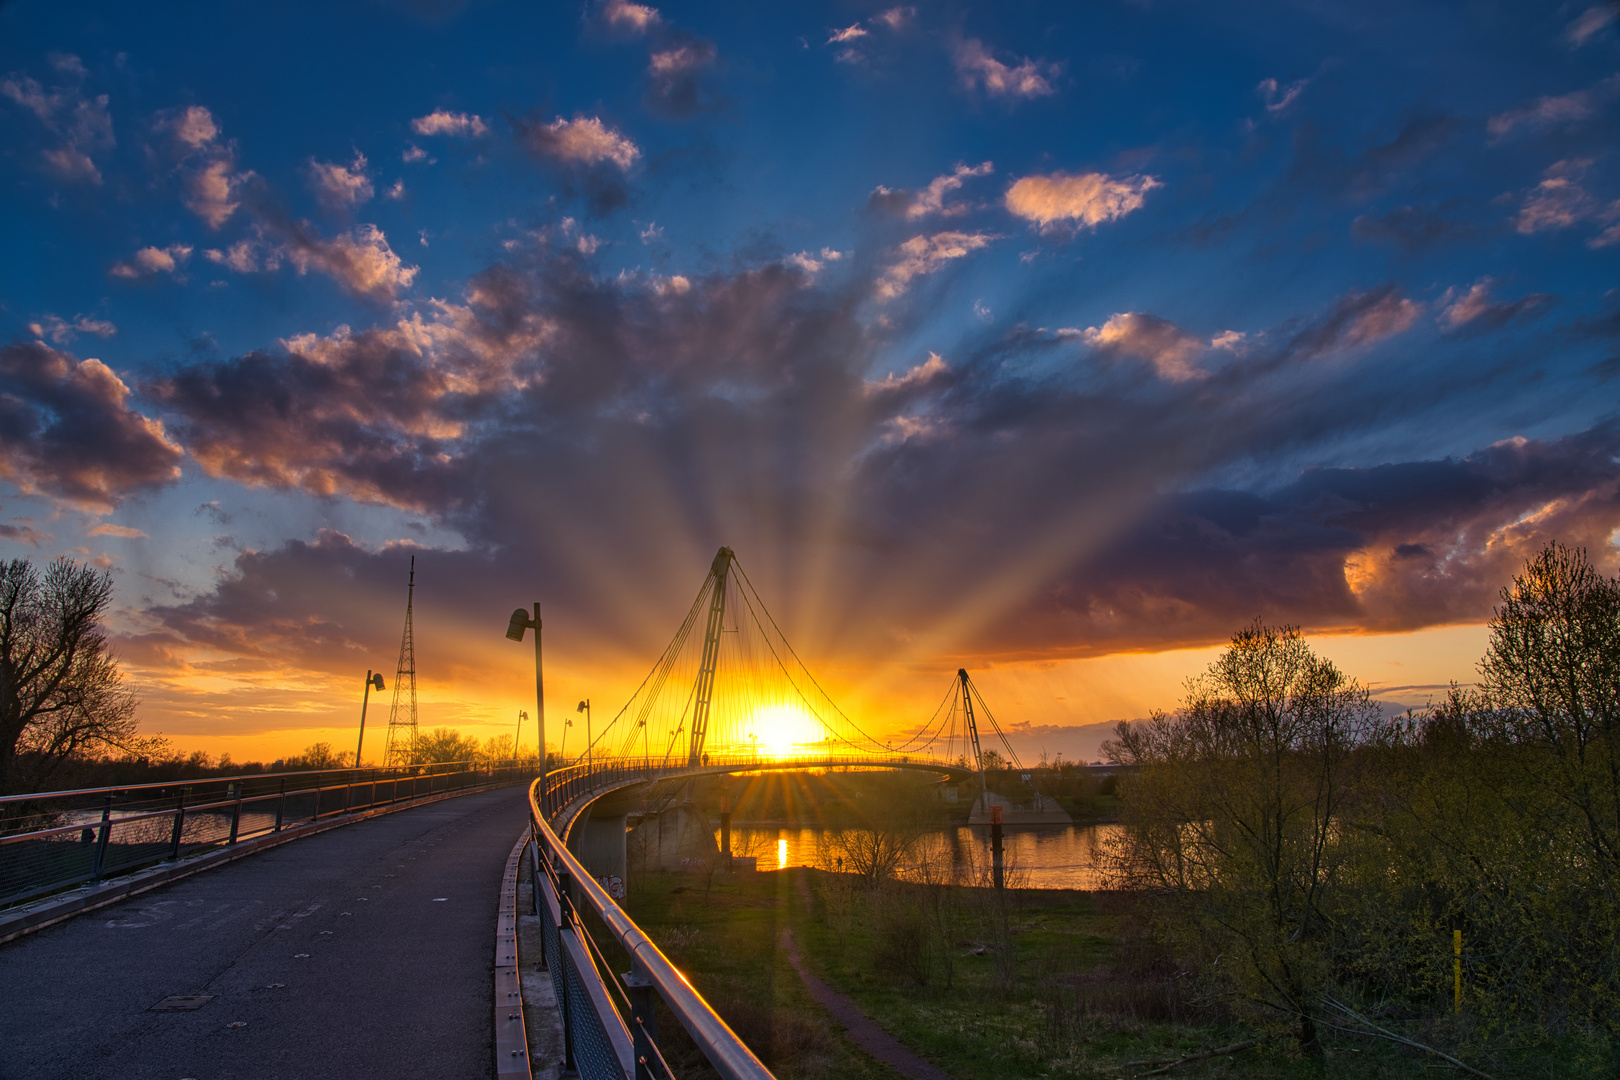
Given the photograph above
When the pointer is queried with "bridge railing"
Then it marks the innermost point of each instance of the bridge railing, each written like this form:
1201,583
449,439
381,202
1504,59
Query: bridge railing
609,1022
54,841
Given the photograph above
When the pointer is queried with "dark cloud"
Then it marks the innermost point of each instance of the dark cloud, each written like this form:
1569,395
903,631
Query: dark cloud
598,438
67,430
1389,548
1413,228
680,76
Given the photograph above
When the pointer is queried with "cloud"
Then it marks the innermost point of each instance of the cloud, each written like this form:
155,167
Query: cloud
211,186
1389,548
1277,97
123,532
1413,228
676,73
79,126
1560,201
150,261
1023,79
1589,24
194,127
444,122
630,18
1559,110
847,34
374,415
923,255
1083,200
1168,348
918,377
341,187
359,259
912,205
1359,319
896,18
62,331
584,140
1475,310
814,264
414,153
67,430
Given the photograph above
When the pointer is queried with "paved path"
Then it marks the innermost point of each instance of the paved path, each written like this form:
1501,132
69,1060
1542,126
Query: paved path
364,951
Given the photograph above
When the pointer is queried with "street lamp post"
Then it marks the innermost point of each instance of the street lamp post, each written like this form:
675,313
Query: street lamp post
517,740
585,707
515,627
371,680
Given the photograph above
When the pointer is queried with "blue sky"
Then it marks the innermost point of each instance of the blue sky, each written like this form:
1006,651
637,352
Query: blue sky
1017,334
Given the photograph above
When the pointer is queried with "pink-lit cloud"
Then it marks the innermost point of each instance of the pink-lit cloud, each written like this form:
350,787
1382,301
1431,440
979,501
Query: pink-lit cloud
1077,200
1022,79
455,124
925,254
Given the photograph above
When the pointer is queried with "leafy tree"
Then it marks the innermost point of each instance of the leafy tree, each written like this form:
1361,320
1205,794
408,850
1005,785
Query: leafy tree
319,755
443,744
61,693
1552,675
1235,818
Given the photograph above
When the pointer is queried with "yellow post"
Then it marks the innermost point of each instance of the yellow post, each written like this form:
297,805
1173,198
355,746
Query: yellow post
1456,968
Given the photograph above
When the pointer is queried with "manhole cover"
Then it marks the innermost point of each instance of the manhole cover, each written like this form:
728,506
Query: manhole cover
182,1003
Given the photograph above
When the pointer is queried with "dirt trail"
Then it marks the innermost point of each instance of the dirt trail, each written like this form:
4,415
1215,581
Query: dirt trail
859,1027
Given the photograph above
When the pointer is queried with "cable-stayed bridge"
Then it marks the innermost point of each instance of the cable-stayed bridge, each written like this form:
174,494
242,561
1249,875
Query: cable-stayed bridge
728,695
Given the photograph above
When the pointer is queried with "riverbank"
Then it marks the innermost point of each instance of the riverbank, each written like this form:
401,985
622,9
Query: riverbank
1051,983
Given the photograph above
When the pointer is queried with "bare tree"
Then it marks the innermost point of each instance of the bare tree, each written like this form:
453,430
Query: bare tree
60,689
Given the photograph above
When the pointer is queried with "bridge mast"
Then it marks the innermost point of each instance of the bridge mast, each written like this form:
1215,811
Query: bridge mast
718,572
972,727
401,745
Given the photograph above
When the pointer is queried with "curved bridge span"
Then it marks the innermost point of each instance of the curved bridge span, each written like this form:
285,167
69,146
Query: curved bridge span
609,1017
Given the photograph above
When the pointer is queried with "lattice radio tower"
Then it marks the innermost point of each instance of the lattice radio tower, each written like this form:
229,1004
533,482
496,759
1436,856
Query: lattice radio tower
402,715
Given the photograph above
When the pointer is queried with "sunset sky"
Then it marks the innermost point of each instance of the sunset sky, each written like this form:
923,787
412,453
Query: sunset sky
1052,340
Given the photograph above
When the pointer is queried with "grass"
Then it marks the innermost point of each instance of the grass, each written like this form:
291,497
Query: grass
1078,995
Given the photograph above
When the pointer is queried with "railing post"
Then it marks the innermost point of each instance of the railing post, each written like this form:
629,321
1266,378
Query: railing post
281,804
102,838
236,813
179,826
643,1020
316,814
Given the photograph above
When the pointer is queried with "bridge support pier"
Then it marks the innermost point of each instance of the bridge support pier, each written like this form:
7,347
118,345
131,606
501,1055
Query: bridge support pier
598,842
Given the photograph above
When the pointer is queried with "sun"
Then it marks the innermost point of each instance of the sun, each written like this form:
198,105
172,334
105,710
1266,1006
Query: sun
785,730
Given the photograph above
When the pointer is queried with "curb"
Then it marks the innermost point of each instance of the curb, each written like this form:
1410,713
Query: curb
99,896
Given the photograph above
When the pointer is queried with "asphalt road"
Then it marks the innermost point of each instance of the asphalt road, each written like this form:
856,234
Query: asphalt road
364,951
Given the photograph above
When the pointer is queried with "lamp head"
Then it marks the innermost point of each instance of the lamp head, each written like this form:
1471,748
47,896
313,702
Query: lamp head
519,623
581,707
376,680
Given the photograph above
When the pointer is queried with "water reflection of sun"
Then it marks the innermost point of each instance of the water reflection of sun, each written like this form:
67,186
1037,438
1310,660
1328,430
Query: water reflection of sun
786,731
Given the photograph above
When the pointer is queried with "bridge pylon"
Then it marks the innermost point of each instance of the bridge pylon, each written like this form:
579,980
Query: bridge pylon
703,692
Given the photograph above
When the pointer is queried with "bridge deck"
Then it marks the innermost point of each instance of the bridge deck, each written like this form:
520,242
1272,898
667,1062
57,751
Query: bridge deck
396,981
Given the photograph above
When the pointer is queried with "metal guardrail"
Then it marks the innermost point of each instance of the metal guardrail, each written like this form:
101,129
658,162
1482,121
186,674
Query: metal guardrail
603,1041
54,841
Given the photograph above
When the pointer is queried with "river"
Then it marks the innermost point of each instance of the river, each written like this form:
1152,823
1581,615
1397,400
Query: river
1037,857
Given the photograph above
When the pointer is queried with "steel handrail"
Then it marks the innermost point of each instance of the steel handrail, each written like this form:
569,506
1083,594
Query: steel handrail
436,768
730,1056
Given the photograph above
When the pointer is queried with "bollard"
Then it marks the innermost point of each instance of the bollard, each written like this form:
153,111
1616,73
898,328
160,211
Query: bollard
179,827
101,840
995,845
725,829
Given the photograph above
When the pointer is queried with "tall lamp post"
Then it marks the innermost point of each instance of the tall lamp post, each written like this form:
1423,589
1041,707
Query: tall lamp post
520,622
372,679
585,707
